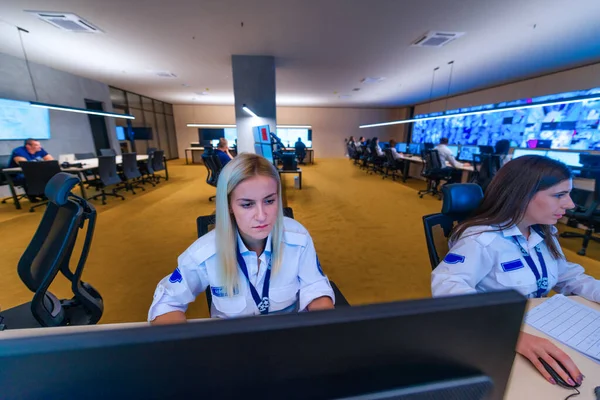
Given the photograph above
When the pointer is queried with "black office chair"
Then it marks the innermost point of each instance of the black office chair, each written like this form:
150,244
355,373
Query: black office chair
85,156
107,152
300,154
131,173
214,164
4,163
158,164
587,216
205,223
37,175
48,253
108,176
434,172
460,200
391,164
485,167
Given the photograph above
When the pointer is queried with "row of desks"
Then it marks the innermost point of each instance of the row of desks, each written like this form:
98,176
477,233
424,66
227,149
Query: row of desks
87,165
310,154
578,183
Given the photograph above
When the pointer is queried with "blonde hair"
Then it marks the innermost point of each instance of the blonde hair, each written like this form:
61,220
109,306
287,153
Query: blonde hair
241,168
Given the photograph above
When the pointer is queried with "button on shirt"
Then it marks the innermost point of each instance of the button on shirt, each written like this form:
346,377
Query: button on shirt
446,155
484,261
298,282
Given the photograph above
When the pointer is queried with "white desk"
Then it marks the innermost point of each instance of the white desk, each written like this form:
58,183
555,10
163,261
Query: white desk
527,383
87,164
467,169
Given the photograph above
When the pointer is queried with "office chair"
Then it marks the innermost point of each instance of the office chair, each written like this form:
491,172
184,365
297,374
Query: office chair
158,164
213,163
107,152
205,223
460,200
485,167
300,154
48,253
4,163
434,172
37,175
108,176
588,216
391,164
131,173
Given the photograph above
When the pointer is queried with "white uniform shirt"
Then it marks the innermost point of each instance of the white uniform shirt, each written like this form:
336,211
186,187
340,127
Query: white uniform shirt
395,154
299,281
379,152
490,261
446,155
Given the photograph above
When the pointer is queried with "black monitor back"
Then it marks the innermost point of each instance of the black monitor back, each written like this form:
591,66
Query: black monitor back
385,349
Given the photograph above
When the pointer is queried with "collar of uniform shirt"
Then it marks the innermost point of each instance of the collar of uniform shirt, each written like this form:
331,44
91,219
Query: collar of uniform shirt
244,249
535,238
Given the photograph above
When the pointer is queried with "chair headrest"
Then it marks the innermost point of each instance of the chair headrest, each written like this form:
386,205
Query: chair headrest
58,187
461,198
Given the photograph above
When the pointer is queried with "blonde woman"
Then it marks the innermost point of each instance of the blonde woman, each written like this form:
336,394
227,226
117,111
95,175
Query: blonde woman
255,261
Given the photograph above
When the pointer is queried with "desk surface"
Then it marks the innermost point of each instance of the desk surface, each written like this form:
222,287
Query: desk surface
88,163
419,160
527,383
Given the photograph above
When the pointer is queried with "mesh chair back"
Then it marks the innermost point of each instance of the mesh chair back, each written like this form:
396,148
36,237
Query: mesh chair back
157,160
107,152
107,170
206,161
38,174
460,200
85,156
389,156
151,150
431,161
4,160
130,167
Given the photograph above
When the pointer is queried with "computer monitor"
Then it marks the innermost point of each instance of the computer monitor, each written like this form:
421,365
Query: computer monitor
428,146
466,153
486,150
462,345
454,150
121,133
527,152
401,147
414,148
384,145
543,144
141,133
567,157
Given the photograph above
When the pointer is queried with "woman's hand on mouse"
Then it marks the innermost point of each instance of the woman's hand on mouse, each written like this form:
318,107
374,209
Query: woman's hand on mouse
533,347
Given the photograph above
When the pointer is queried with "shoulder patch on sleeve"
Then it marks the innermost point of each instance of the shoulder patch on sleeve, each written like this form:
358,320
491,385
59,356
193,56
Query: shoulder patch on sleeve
176,276
453,258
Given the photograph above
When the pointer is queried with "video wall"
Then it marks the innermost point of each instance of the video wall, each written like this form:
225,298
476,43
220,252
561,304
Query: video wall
19,121
571,125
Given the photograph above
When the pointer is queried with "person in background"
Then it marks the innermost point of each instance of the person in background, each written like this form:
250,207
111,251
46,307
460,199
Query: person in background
300,148
511,242
502,148
375,148
255,261
447,156
30,151
223,152
395,154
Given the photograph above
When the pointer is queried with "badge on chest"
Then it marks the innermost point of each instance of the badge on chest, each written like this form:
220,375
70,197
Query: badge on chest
512,265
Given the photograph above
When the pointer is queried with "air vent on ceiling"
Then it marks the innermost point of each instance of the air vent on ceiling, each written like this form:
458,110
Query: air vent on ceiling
369,79
67,22
166,74
437,39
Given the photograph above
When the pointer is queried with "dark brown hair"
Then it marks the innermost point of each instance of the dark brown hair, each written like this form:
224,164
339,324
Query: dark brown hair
444,140
507,196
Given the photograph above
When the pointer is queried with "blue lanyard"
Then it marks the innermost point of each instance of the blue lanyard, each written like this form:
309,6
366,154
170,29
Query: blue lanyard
261,302
541,281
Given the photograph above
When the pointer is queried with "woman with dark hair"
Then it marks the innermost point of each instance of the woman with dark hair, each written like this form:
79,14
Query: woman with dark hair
510,242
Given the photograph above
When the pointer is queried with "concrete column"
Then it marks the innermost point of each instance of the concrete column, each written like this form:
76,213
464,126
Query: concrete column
253,85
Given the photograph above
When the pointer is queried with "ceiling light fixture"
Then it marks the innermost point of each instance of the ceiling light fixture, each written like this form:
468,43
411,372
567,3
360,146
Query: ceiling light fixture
454,113
210,126
79,110
38,104
249,111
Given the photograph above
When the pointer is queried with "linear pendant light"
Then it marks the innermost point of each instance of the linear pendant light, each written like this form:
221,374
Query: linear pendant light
193,125
495,110
249,111
80,110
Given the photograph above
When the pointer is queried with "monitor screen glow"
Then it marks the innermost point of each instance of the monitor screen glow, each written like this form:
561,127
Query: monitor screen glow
20,121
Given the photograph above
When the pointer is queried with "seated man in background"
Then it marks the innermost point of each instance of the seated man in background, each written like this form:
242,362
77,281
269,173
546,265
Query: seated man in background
31,151
223,152
300,151
446,155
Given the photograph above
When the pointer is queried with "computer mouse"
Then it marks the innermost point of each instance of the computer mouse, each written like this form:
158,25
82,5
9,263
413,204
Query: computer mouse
560,381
